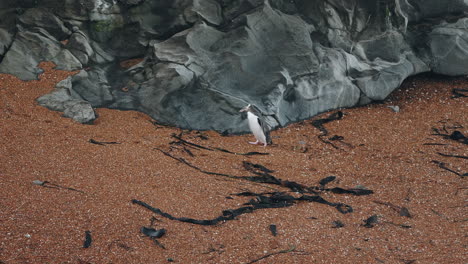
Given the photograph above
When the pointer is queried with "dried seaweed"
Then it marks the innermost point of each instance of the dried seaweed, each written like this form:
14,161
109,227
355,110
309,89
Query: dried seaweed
458,136
181,140
182,160
399,225
452,155
120,244
102,143
371,221
402,211
337,224
443,165
273,230
439,214
353,191
261,201
254,168
455,135
262,174
336,138
212,249
291,249
153,233
405,212
434,144
280,199
47,184
227,214
188,152
327,180
88,239
324,132
457,93
320,122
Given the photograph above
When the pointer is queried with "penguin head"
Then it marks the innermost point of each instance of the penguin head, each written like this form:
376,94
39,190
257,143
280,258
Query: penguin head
246,109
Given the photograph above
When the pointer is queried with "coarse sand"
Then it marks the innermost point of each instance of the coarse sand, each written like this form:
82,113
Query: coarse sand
416,176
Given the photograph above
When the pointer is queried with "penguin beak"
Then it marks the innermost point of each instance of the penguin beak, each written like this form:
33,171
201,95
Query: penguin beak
245,109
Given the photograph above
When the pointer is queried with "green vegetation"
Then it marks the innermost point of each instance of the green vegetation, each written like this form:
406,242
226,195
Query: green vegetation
106,25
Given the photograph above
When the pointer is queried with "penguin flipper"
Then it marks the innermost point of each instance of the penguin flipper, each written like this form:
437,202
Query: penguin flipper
266,130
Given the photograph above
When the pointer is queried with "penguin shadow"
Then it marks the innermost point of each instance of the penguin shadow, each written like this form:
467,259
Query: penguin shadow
188,147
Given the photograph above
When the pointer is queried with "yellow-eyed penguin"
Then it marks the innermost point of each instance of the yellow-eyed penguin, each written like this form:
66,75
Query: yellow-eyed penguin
257,125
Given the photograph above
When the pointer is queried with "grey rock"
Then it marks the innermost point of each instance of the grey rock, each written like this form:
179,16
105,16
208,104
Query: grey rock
65,100
203,60
395,108
66,61
131,2
29,48
100,56
93,86
449,48
421,9
43,18
209,10
79,46
38,182
57,99
5,41
80,111
64,84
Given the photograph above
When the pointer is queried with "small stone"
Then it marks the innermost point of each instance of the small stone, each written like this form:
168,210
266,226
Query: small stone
38,182
337,224
360,186
395,108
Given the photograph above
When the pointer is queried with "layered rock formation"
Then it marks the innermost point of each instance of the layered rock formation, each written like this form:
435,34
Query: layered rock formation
200,61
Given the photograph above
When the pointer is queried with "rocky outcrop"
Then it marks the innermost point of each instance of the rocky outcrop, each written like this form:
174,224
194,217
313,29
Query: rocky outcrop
449,48
203,60
66,100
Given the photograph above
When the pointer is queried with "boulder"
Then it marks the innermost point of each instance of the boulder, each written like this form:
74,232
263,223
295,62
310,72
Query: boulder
42,18
80,111
209,10
449,48
31,47
5,41
65,100
78,44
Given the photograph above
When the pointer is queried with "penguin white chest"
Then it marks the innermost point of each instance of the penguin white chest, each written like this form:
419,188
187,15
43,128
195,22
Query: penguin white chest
256,128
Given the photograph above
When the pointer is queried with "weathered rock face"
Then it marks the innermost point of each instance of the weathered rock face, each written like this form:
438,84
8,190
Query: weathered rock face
66,100
203,60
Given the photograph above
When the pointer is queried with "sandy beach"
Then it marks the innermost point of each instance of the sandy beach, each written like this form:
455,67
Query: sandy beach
398,195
